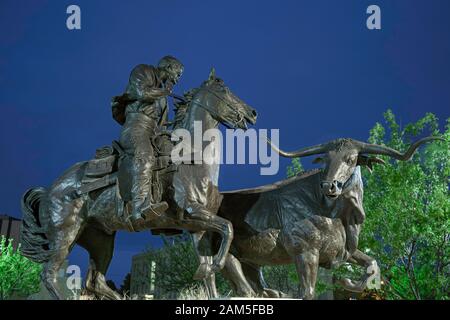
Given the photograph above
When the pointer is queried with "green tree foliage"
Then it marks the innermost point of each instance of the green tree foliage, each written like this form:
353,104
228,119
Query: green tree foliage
176,263
19,277
294,168
407,229
281,277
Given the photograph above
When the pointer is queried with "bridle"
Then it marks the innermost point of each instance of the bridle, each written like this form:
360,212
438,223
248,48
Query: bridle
213,112
241,118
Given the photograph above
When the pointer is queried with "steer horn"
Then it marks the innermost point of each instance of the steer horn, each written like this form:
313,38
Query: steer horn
362,146
304,152
383,150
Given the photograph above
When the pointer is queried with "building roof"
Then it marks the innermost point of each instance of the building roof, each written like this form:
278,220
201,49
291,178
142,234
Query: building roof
7,217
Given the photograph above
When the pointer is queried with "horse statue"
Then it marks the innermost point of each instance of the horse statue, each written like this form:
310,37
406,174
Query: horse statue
84,205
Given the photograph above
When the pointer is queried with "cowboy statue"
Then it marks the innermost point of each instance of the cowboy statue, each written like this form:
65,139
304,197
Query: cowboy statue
142,111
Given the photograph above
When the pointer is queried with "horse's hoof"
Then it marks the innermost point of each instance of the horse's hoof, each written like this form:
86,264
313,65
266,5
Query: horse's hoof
204,270
270,293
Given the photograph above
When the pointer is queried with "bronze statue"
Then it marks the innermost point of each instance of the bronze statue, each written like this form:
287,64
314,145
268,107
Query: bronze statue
142,110
312,220
84,205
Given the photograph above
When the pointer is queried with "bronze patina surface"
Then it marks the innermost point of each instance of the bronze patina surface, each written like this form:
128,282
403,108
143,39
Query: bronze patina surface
86,206
311,220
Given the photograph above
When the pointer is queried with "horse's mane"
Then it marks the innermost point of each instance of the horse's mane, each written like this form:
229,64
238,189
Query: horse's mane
182,107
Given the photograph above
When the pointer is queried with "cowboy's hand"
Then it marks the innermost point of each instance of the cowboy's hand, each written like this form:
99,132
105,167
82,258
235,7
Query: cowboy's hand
169,87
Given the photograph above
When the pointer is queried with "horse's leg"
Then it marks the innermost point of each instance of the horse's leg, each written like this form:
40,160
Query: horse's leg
62,236
307,265
209,281
225,229
100,246
372,270
254,275
232,269
233,272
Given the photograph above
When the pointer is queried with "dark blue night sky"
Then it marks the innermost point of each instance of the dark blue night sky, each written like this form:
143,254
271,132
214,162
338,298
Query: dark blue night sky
311,68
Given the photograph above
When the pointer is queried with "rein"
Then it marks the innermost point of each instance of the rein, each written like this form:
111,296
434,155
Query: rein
211,111
241,118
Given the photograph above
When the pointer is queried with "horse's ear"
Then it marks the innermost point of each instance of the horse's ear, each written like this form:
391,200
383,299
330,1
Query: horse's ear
212,74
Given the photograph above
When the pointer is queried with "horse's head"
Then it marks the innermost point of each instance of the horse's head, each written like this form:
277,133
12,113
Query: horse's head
223,105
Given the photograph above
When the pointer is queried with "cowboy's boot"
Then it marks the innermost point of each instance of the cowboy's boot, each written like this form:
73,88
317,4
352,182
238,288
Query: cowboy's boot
143,207
147,209
146,212
151,210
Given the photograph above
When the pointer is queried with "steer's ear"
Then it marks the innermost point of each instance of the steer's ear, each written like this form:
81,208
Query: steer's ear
318,160
369,161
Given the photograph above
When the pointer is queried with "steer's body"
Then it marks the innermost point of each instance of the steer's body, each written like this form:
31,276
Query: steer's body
312,220
278,223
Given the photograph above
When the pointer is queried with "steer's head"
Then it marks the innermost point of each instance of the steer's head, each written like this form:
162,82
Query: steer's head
339,163
340,158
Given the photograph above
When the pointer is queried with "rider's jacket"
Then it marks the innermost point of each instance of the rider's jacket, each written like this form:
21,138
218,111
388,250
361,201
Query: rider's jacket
136,98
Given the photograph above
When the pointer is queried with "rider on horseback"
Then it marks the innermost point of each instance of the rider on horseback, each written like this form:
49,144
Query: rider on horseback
142,110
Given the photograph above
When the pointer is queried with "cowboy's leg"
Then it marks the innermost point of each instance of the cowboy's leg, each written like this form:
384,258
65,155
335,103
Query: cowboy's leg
136,140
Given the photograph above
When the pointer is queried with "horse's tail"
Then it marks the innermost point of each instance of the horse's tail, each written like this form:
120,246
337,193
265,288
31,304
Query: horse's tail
33,241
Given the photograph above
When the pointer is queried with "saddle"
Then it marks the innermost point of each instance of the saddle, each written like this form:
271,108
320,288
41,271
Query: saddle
106,169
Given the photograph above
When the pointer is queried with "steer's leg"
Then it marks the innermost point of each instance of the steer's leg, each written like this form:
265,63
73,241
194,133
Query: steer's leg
307,265
372,271
363,260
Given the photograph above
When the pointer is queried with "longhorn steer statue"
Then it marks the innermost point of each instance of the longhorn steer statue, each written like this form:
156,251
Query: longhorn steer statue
311,220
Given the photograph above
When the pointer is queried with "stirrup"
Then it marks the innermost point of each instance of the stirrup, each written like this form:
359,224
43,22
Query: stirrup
134,223
154,210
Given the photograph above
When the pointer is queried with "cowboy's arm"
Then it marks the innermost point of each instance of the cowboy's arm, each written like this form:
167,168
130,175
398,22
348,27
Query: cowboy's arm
142,85
152,94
